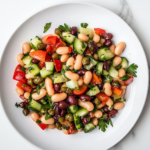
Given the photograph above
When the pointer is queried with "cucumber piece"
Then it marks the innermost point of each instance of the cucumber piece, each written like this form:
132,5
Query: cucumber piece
99,68
27,60
34,70
52,77
113,72
124,63
78,123
87,31
72,84
104,72
79,46
73,109
88,127
104,54
69,38
107,79
81,112
93,91
93,63
45,73
34,42
35,105
50,66
59,78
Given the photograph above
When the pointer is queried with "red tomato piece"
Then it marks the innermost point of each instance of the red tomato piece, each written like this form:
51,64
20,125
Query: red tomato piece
24,87
96,79
58,65
99,31
116,90
49,48
82,90
42,126
52,40
127,82
70,49
41,64
102,97
60,43
70,131
39,55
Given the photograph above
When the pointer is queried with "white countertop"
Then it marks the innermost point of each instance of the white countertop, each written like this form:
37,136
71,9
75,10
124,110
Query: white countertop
134,12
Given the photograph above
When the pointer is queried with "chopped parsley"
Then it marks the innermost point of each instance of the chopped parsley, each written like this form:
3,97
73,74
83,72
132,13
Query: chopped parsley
88,118
132,69
47,26
38,89
47,116
38,121
23,69
24,85
64,28
104,124
83,45
17,105
125,77
84,25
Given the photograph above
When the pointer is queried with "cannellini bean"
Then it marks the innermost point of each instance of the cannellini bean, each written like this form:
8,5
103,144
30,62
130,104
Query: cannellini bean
62,50
26,95
64,58
80,81
78,62
116,61
35,116
121,72
80,130
19,91
71,75
98,114
96,38
112,49
26,48
51,126
95,56
109,102
45,37
118,105
35,96
119,48
87,77
19,57
70,62
100,106
99,44
87,105
49,86
95,121
59,97
83,37
107,87
48,121
29,76
102,41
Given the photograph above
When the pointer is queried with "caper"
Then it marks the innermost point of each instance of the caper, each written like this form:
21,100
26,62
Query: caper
55,56
25,111
69,91
61,119
52,112
58,31
64,89
37,80
43,111
97,101
30,82
116,84
105,115
65,127
58,126
69,117
41,46
86,61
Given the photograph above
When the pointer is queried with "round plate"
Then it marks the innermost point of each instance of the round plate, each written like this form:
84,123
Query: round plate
73,14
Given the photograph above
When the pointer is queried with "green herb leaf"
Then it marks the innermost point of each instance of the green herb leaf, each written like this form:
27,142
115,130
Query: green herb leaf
38,89
90,40
88,118
132,69
110,122
74,71
38,121
24,85
30,97
84,25
102,125
89,85
83,45
124,100
17,105
47,116
47,26
23,69
65,27
30,68
125,77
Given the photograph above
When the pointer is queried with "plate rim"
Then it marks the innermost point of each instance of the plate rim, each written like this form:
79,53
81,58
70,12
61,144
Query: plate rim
85,3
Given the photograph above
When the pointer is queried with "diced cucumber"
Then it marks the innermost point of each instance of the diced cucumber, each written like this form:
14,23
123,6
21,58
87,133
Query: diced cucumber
104,54
50,66
45,73
88,127
69,38
27,61
93,63
78,122
99,68
59,78
35,105
81,112
72,84
79,46
105,72
93,91
113,72
34,42
124,63
34,70
87,31
72,109
52,77
107,78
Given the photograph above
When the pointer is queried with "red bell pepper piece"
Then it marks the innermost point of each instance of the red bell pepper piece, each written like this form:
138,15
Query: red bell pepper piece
116,90
60,43
70,131
52,40
49,52
58,65
24,87
39,54
82,90
41,64
70,49
130,80
96,79
99,31
49,48
88,51
42,126
91,115
102,97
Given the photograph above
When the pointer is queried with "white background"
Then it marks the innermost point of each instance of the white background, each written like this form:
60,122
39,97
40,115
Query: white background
14,12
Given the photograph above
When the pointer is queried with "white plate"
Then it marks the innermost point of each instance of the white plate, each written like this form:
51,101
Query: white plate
73,14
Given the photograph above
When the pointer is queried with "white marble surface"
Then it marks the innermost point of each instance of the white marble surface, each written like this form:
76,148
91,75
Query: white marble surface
134,12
